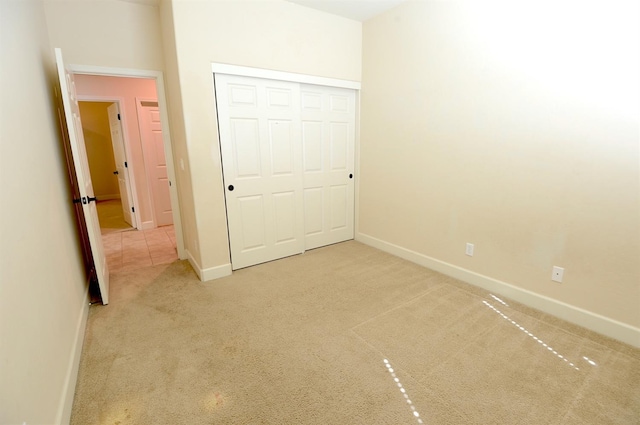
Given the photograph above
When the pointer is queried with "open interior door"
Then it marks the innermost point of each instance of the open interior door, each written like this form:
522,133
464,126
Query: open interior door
81,164
122,169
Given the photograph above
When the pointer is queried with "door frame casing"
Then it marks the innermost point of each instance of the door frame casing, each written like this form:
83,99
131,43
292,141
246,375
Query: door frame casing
166,139
268,74
127,149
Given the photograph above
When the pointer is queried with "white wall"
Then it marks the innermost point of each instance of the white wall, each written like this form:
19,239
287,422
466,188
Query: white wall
43,299
127,89
514,127
270,34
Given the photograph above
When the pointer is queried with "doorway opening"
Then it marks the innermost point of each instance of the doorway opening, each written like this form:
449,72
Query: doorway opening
131,167
106,155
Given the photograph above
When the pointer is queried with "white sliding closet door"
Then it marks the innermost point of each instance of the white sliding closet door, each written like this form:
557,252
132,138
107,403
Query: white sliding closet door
288,163
328,135
259,123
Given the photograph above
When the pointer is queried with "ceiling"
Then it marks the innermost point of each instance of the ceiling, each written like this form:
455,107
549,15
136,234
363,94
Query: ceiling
359,10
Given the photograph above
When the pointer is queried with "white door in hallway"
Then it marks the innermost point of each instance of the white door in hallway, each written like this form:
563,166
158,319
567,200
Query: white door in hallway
155,161
259,122
328,143
73,125
122,170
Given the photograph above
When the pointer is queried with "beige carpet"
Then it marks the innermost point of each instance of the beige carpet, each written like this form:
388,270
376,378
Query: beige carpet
304,340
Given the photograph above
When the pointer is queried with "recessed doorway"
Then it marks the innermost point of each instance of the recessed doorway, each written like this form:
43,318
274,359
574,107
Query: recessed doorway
127,161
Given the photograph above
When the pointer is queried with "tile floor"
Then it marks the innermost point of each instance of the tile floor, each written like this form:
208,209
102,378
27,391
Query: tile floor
135,249
111,217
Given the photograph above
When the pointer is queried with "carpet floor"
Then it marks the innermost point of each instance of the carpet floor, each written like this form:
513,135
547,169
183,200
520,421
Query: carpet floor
344,334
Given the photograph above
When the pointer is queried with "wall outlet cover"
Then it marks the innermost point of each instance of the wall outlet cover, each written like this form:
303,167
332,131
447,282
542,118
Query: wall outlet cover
469,250
557,274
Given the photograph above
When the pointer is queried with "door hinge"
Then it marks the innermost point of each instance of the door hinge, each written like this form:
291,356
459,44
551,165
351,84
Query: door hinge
169,182
125,165
118,117
133,209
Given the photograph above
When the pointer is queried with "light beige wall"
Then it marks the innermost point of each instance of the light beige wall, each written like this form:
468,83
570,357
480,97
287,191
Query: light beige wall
514,128
42,289
97,138
176,122
270,34
127,89
112,33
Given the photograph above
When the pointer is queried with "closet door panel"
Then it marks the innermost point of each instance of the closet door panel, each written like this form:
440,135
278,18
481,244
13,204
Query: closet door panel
259,122
328,139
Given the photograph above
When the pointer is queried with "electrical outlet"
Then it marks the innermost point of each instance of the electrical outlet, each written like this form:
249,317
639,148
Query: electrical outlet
557,274
469,249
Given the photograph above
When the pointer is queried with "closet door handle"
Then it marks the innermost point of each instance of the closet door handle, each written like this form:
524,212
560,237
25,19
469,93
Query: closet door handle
231,188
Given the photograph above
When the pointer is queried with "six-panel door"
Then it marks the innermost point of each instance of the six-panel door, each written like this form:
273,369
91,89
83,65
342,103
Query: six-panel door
259,123
71,115
328,135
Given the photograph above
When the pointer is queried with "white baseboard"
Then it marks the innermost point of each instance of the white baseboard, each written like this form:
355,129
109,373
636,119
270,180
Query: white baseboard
210,273
217,272
147,225
592,321
68,393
